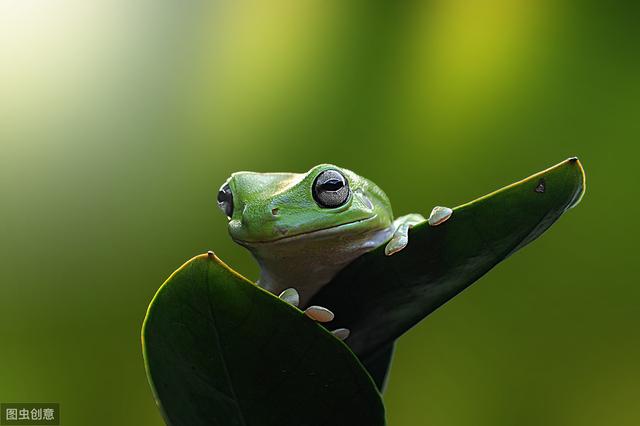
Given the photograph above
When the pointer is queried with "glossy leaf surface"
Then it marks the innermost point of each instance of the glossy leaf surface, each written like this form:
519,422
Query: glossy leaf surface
221,351
380,297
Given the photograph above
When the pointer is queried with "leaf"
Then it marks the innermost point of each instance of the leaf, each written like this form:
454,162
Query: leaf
221,351
380,297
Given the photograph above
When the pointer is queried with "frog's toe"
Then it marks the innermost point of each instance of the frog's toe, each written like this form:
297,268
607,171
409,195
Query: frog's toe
341,333
400,237
290,296
397,243
319,313
439,215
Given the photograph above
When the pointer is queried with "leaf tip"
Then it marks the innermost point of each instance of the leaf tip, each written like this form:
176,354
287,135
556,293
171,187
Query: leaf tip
583,182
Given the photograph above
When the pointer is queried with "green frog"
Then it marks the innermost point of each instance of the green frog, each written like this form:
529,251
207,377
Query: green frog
303,228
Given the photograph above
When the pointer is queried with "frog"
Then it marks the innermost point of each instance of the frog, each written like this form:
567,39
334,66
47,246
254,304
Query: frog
304,228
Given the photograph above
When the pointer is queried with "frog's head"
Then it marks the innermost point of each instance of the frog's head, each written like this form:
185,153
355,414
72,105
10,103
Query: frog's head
326,202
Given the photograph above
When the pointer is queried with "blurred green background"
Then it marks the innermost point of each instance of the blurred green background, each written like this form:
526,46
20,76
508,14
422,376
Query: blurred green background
120,120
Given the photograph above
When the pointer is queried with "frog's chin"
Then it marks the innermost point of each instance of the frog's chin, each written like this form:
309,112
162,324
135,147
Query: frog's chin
353,227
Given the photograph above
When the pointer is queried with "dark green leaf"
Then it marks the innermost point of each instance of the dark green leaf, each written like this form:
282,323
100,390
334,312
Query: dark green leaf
380,297
221,351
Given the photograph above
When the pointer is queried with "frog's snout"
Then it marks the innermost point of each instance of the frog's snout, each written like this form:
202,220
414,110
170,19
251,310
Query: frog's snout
255,219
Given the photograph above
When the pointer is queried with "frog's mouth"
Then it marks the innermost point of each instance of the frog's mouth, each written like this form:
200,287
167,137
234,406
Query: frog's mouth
318,233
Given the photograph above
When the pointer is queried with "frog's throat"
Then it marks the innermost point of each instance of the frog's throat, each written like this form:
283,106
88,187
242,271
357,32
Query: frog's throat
308,265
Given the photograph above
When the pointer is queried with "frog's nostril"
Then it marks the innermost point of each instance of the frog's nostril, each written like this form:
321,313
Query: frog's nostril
275,211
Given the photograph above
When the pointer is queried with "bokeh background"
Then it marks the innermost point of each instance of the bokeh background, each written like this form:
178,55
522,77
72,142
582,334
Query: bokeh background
119,120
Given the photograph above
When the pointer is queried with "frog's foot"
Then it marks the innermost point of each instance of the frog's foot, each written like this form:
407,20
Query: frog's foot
439,215
317,313
400,237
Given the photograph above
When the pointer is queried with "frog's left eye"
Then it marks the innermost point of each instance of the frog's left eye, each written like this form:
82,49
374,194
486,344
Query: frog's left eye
330,189
225,200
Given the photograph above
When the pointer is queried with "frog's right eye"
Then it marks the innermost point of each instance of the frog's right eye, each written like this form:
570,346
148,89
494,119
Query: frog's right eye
225,200
331,189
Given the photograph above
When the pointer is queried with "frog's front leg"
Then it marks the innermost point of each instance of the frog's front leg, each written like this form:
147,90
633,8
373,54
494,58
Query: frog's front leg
318,313
400,237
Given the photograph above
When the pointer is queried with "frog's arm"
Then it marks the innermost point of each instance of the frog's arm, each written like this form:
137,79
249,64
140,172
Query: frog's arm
400,237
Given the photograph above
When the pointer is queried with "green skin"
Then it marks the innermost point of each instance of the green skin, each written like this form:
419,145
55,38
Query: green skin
300,244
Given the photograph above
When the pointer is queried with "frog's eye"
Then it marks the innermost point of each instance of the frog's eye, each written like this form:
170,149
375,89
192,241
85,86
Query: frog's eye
330,189
225,200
